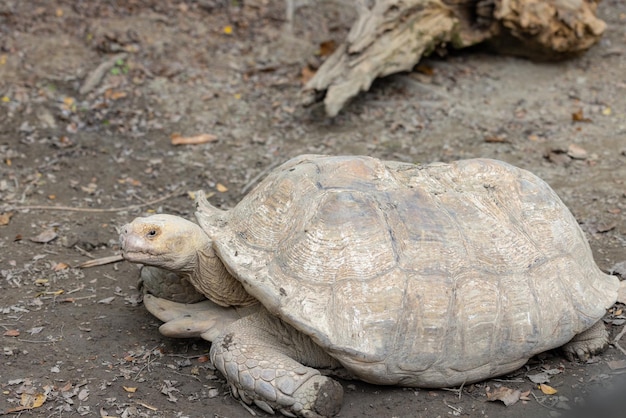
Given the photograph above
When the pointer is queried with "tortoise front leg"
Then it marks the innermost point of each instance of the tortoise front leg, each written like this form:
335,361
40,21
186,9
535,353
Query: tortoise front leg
262,359
187,320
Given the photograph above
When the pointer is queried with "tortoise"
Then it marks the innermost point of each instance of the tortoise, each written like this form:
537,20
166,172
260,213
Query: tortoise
393,273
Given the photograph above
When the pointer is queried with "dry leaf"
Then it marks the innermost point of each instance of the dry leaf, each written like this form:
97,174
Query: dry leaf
30,401
547,389
425,69
221,188
35,330
130,389
203,359
192,140
495,139
508,396
45,237
83,394
129,180
524,396
327,48
107,301
69,102
114,95
66,388
5,218
90,189
578,116
12,333
306,74
60,266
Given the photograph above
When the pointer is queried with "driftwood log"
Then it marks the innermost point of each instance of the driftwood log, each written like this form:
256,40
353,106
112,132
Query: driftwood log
391,36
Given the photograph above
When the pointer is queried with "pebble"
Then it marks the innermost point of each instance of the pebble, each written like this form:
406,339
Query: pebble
577,152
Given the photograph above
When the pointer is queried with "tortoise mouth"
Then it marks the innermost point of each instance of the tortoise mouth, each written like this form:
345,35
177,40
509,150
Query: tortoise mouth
139,256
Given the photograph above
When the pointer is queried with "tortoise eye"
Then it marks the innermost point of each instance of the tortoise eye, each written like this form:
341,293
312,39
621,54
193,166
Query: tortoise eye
151,233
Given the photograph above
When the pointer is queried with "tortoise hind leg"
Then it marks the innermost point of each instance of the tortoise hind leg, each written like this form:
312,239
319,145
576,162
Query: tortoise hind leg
261,358
587,343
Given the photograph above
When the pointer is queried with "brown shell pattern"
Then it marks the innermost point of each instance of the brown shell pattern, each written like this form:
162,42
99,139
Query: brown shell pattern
410,274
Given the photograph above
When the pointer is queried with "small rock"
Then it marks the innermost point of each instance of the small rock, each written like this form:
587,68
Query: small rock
577,152
559,158
539,378
45,237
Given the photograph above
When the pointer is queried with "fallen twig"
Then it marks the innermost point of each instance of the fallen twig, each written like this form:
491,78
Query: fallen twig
509,380
185,374
185,356
74,299
83,252
145,405
95,77
97,210
541,403
101,261
78,289
458,390
148,363
455,409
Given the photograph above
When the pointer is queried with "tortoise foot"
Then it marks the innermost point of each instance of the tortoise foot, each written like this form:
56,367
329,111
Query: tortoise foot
317,397
587,343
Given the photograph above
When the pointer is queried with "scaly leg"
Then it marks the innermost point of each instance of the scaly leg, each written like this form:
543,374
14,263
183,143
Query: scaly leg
587,343
262,359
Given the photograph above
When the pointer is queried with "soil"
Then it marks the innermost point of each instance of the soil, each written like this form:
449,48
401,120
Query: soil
79,342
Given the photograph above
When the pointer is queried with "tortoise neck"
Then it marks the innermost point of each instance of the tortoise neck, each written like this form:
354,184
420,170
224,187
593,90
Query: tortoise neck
213,279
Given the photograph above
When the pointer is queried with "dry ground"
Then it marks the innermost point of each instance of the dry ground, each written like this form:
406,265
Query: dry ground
82,338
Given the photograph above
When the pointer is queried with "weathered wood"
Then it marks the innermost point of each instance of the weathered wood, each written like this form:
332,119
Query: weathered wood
393,35
547,29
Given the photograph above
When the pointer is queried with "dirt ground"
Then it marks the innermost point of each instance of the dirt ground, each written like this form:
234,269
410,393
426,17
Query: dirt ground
79,342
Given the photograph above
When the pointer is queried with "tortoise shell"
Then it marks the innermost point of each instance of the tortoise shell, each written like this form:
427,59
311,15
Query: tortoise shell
418,275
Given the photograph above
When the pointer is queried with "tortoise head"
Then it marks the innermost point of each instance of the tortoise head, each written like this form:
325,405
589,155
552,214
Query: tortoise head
165,241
